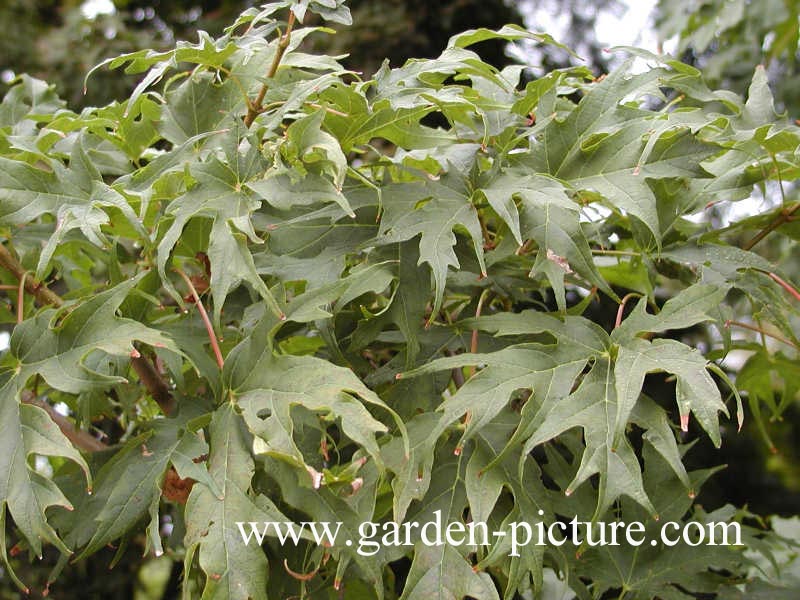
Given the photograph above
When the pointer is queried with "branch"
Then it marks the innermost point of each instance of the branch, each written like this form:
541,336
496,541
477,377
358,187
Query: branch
79,438
39,290
255,108
473,347
784,217
774,336
154,383
785,285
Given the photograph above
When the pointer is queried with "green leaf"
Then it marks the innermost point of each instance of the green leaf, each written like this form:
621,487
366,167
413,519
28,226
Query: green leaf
550,218
129,485
507,32
197,106
233,569
689,307
547,370
613,146
219,196
695,391
66,346
78,198
25,493
432,211
324,388
443,573
308,147
594,406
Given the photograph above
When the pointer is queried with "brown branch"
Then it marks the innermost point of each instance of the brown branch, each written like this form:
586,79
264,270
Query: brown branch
21,298
79,438
784,217
154,383
255,108
39,290
473,347
457,374
147,373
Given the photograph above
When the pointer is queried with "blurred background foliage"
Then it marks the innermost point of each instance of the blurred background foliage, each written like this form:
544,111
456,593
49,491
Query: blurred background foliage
59,41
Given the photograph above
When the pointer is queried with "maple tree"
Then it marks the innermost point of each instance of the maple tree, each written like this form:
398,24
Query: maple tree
263,288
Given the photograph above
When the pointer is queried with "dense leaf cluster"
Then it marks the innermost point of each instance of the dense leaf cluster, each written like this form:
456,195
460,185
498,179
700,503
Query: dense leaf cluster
399,274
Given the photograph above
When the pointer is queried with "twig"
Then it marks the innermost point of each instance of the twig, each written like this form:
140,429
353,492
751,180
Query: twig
621,309
255,108
523,249
784,217
154,383
79,438
473,348
39,290
21,298
785,285
762,331
204,315
602,252
457,374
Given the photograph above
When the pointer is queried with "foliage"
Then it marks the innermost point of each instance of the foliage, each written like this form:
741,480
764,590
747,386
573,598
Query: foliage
58,41
400,274
728,39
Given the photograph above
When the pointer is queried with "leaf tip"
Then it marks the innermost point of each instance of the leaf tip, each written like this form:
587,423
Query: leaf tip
685,423
316,477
